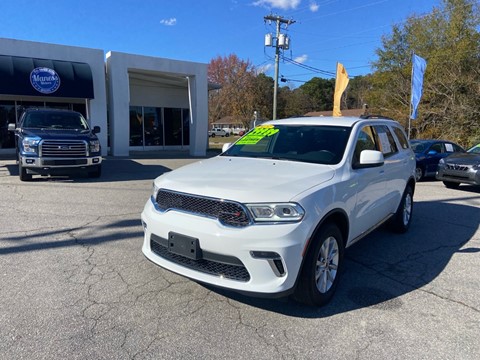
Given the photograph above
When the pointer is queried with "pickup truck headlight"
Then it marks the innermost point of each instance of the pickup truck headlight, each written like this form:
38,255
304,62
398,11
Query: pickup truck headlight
94,146
281,212
30,144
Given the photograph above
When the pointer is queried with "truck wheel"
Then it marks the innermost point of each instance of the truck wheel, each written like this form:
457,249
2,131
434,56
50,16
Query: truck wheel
227,134
22,172
321,269
96,173
213,135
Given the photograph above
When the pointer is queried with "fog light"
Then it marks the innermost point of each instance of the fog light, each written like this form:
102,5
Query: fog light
96,160
264,255
30,161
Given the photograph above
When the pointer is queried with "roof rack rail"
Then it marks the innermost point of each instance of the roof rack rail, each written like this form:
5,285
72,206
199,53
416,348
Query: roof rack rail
375,117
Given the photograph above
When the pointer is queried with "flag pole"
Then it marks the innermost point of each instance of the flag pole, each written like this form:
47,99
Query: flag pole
411,93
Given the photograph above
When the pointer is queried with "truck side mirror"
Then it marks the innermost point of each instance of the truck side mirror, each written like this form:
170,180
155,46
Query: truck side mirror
96,129
12,127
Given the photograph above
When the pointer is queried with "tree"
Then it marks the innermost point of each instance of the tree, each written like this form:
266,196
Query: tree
236,96
450,42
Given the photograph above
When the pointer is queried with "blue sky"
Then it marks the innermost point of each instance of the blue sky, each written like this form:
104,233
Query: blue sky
325,31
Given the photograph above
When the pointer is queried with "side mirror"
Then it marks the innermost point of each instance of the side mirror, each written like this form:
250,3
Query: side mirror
12,127
432,152
226,146
370,158
96,129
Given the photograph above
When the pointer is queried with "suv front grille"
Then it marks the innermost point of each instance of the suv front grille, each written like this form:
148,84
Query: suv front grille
227,267
63,148
456,167
227,212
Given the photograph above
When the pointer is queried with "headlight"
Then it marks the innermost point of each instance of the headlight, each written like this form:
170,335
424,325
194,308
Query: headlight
94,146
155,189
441,161
283,212
30,144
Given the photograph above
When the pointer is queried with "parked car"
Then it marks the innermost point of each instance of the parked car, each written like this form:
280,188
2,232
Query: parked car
56,142
273,214
428,153
218,132
460,168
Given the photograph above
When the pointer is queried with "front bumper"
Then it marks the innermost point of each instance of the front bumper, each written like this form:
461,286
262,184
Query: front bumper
54,165
259,259
462,174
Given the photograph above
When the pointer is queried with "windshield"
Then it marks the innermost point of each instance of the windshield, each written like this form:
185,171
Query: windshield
475,149
306,143
46,120
418,147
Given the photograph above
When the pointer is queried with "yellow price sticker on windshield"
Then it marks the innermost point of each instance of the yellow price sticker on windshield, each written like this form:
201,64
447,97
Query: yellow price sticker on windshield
257,134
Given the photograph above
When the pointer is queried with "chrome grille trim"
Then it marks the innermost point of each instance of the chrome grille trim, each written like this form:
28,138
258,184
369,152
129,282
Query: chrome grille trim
229,213
63,148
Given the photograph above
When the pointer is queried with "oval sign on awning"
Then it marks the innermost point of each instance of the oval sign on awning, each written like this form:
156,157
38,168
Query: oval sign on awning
45,80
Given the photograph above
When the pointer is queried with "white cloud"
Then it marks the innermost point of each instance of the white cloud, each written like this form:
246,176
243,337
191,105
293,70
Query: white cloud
168,22
301,59
313,6
263,69
279,4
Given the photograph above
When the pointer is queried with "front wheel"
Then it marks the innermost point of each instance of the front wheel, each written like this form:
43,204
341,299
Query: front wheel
451,185
22,172
96,173
403,217
418,174
321,269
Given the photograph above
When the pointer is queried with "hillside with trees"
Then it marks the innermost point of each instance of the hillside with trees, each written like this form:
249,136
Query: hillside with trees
448,39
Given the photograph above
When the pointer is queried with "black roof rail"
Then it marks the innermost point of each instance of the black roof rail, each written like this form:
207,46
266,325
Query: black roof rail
375,117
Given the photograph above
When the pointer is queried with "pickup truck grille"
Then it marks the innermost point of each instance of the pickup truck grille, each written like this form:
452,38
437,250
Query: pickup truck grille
227,212
63,148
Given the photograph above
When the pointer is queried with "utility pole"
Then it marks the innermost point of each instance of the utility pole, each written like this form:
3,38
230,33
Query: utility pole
281,42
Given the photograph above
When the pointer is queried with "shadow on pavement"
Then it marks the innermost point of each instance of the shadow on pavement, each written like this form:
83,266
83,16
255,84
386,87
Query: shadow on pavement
384,266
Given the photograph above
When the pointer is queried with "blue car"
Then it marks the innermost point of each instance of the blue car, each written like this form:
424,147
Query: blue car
429,152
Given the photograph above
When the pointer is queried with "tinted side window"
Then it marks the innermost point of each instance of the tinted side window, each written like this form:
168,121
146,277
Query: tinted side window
402,139
365,141
385,140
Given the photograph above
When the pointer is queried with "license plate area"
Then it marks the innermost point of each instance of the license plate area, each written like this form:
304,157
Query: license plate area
184,246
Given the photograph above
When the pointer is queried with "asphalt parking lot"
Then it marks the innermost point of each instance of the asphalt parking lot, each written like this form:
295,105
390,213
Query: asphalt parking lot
75,284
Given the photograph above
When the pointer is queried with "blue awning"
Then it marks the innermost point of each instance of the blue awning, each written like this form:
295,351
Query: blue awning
44,77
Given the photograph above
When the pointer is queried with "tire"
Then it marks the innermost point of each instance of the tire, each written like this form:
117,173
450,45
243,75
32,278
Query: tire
96,173
22,172
403,216
321,269
227,135
418,174
213,135
451,185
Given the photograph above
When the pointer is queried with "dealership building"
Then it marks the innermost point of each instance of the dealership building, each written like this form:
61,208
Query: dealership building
141,103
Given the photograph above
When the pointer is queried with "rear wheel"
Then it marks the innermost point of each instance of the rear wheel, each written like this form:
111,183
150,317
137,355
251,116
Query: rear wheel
451,185
403,217
321,269
22,172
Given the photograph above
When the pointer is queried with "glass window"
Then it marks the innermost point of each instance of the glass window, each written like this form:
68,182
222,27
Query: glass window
173,126
153,126
136,126
385,140
186,126
365,141
7,116
305,143
401,137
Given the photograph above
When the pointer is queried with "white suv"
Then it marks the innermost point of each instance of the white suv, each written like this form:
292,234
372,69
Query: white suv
273,214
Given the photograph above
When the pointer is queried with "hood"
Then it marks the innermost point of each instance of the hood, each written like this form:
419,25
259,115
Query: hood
47,134
463,159
246,179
